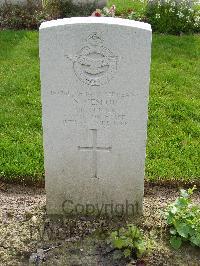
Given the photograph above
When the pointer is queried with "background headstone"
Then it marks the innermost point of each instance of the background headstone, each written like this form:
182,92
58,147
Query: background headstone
95,83
97,3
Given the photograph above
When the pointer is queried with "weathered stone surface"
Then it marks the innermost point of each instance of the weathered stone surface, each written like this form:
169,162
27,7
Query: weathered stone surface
97,3
95,82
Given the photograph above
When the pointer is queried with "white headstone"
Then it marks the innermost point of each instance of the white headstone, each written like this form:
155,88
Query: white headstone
95,83
97,3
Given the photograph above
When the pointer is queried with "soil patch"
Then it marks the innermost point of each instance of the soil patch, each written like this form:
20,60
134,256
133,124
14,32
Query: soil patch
29,237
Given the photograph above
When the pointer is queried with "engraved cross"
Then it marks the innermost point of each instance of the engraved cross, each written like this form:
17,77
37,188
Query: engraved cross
94,150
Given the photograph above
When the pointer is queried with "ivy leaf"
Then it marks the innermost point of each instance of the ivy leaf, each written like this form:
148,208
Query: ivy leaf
170,218
175,242
195,240
183,229
182,202
127,252
192,230
184,217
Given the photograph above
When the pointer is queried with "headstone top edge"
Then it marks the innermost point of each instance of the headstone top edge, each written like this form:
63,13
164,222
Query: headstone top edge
95,20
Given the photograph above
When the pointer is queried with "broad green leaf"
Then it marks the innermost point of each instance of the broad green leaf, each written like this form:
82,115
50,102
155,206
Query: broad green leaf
175,242
183,229
191,230
170,218
182,202
195,240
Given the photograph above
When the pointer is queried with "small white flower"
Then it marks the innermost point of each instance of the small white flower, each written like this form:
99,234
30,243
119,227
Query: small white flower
197,19
159,3
173,4
180,15
157,16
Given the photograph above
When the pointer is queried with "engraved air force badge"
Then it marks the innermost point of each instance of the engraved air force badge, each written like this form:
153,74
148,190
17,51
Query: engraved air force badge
95,64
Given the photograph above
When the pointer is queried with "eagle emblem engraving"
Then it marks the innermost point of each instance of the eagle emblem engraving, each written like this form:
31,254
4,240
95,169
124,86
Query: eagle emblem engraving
95,64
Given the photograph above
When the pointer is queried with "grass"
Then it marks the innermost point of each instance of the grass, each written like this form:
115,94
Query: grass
173,149
21,142
124,7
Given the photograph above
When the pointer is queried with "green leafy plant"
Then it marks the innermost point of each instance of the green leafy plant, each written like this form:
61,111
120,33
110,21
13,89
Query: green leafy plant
31,14
174,17
127,8
22,16
183,217
129,240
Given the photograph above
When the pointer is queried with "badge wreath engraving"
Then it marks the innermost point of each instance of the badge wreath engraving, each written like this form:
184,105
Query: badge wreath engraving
95,64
